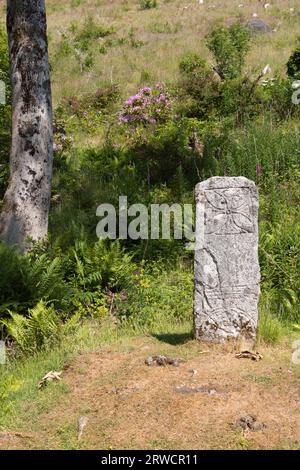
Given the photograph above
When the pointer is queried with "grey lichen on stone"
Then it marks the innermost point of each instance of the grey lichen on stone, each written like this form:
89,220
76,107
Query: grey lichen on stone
227,274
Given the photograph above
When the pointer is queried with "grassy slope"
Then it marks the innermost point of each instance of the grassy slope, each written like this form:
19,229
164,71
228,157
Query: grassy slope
168,32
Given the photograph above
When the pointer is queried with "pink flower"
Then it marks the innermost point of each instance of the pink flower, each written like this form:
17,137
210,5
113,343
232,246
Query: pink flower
258,169
148,106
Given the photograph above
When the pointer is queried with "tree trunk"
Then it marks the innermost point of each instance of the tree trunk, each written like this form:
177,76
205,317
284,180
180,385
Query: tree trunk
26,204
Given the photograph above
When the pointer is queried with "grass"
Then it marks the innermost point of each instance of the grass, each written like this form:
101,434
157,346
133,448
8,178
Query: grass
103,369
165,34
19,379
271,330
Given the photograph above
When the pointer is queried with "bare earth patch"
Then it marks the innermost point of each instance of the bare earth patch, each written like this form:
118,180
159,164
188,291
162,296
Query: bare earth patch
129,405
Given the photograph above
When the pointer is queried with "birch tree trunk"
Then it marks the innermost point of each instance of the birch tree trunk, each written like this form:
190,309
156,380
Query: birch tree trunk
26,202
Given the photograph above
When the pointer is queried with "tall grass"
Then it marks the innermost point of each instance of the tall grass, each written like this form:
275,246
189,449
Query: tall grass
272,148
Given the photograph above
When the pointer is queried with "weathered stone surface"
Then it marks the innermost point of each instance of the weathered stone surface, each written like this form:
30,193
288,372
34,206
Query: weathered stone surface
227,271
256,25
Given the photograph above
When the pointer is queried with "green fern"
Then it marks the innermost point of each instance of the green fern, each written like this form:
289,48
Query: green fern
42,328
47,278
100,265
26,279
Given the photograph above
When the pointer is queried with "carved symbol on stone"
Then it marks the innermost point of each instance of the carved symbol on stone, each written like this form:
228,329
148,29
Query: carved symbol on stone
228,212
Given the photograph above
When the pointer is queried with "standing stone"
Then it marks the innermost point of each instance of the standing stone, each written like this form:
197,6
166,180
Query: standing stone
227,271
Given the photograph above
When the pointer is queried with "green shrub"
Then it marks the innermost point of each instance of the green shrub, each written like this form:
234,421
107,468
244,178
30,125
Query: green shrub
84,114
280,266
79,41
4,62
89,32
229,47
277,93
293,64
205,94
147,4
240,98
164,153
199,83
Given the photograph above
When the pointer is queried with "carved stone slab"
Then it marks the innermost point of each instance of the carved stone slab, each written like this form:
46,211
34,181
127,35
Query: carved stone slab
227,273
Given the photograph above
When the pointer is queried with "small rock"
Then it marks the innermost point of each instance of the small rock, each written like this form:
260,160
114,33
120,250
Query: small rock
256,25
149,361
249,422
187,390
162,361
82,422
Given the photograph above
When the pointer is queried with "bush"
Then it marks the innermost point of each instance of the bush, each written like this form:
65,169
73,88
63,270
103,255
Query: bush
99,266
293,64
88,33
166,154
77,116
205,94
148,106
199,83
277,97
147,4
280,266
79,41
229,47
240,98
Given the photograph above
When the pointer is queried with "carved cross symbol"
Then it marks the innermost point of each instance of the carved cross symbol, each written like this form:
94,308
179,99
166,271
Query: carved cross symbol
228,212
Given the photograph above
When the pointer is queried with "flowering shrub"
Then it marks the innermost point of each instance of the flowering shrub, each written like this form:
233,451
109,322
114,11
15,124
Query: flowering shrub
148,106
61,141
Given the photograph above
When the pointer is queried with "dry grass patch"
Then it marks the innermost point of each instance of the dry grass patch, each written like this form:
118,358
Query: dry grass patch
131,405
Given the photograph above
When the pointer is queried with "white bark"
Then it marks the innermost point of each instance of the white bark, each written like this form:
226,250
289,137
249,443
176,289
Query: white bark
27,199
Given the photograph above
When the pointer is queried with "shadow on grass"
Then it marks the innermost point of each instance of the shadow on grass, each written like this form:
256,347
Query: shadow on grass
174,338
